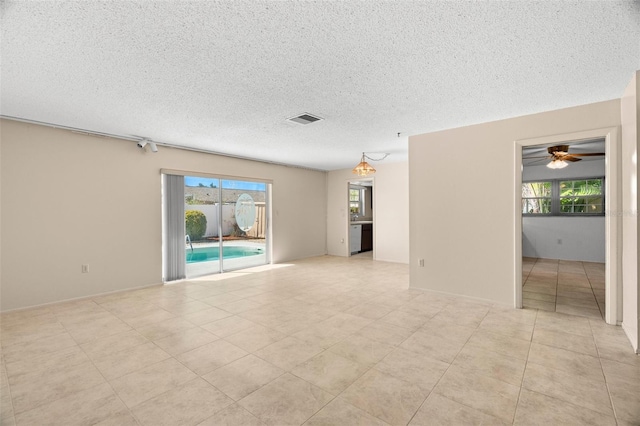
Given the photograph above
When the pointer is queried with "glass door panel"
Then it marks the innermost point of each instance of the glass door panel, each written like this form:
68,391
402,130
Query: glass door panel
244,224
202,225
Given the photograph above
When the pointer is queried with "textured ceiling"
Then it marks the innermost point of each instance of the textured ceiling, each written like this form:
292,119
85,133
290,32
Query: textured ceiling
224,76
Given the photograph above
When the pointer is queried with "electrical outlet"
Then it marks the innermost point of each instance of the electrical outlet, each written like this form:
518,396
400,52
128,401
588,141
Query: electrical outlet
85,269
422,262
559,240
342,240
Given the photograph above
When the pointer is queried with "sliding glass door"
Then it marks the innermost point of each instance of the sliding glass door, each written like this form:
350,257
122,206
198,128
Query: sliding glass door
201,224
225,224
245,224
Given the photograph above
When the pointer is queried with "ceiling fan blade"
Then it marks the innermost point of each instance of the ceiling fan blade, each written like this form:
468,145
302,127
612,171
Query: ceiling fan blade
558,148
571,158
588,154
531,158
537,161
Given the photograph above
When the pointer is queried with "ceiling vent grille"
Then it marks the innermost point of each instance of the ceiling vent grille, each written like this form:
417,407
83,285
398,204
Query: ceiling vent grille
304,119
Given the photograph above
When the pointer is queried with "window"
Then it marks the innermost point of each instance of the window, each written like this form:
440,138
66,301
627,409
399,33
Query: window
356,201
563,197
536,198
581,196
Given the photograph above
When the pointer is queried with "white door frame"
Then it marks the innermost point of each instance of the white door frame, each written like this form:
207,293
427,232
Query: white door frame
613,259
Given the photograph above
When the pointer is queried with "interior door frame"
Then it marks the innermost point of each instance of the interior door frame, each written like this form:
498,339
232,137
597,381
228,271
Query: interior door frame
613,237
354,181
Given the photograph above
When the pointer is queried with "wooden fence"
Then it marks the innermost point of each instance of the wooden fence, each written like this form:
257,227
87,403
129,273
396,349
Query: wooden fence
259,229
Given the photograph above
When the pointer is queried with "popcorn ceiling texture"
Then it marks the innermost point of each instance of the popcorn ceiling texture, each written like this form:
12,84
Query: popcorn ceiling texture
224,76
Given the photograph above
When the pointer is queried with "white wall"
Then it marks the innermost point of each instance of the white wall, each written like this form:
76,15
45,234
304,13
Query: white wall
630,110
391,215
566,238
1,213
581,238
462,213
103,208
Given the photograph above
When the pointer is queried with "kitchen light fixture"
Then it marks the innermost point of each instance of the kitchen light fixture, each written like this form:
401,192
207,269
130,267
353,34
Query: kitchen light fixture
364,168
557,164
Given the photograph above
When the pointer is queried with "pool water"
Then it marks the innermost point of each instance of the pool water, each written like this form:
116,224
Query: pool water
207,254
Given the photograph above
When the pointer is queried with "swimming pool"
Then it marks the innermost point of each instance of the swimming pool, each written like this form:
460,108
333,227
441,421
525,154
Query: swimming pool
207,254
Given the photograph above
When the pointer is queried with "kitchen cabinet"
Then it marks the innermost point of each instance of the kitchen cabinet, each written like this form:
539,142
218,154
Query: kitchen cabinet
366,243
360,237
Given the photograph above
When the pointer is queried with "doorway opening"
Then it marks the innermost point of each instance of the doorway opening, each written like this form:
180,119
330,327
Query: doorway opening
566,228
563,229
360,198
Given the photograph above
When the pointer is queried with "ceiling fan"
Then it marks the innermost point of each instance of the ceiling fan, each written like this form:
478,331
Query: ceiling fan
560,156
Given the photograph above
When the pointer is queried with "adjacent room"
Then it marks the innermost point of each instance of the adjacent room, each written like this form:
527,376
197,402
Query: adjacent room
563,228
319,213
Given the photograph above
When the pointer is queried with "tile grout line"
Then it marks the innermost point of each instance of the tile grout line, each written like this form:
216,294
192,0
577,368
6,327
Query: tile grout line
555,293
602,313
311,384
515,412
555,303
367,371
66,330
107,382
98,370
13,411
236,402
606,382
447,370
438,381
541,392
577,307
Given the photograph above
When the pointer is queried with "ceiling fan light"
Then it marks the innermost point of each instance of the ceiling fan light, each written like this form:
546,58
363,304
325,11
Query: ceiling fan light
557,164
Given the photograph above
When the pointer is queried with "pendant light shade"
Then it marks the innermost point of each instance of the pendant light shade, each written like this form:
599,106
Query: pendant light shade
364,168
557,164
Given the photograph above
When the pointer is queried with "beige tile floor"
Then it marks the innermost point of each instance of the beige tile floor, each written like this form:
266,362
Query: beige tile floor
569,287
322,341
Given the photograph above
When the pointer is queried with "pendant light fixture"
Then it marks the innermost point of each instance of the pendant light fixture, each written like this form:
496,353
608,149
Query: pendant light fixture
364,168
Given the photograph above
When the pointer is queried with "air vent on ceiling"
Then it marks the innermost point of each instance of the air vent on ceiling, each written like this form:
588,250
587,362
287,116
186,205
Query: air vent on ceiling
304,119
